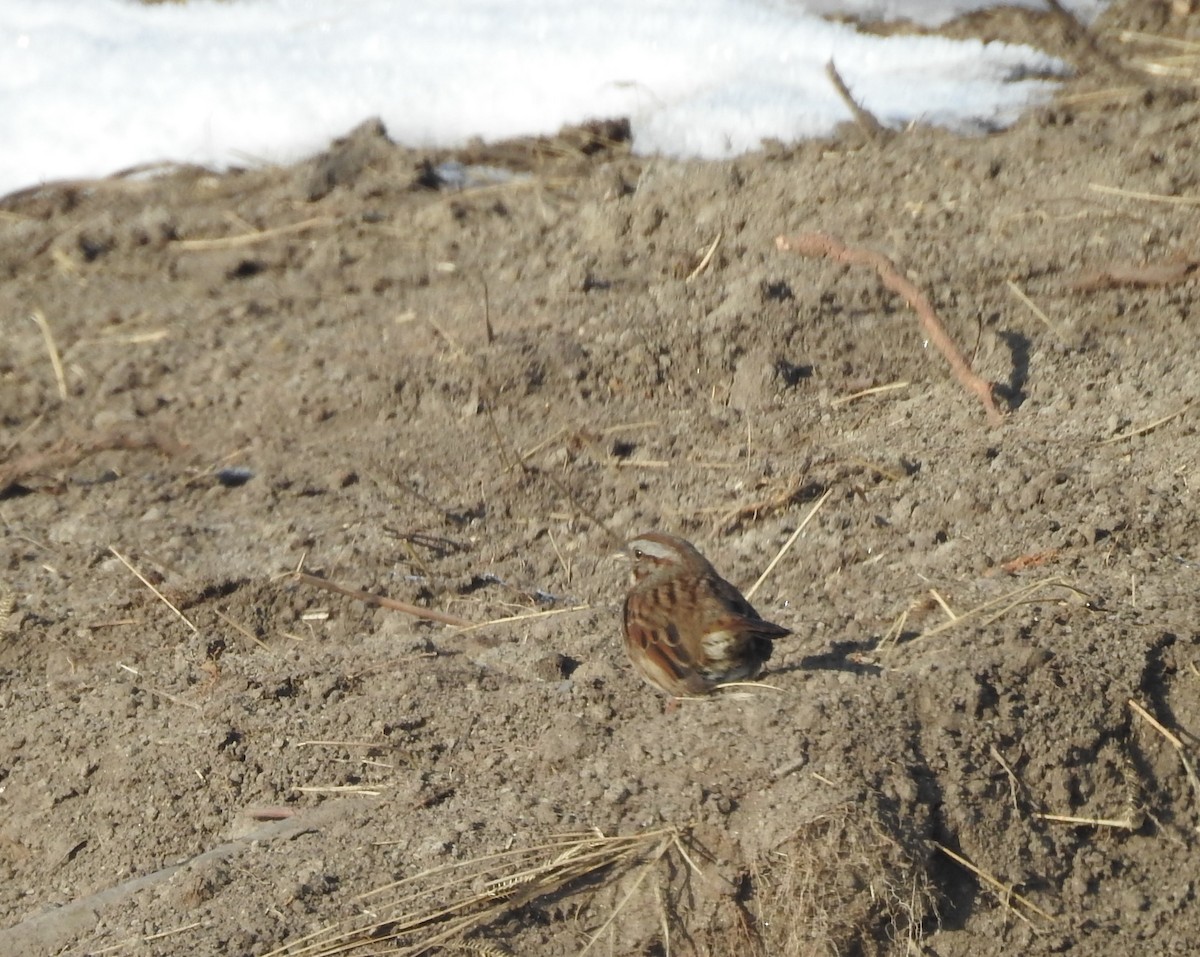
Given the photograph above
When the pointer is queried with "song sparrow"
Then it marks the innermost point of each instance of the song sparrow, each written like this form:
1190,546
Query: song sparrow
687,629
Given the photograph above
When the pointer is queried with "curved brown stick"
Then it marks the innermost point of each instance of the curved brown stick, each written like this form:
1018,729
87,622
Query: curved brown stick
382,601
823,244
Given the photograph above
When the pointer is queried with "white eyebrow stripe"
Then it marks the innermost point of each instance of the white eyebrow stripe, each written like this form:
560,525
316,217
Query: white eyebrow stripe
653,549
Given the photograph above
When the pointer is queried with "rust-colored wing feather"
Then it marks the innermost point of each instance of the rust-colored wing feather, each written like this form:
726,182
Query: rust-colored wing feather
687,629
677,644
656,648
750,637
736,602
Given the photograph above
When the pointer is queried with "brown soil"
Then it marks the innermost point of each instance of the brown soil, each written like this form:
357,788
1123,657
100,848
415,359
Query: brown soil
391,442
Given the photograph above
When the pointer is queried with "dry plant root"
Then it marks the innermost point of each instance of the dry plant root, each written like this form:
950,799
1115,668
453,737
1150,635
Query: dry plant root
382,601
68,452
812,245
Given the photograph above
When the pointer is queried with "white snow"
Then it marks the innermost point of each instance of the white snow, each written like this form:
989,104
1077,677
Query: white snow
89,87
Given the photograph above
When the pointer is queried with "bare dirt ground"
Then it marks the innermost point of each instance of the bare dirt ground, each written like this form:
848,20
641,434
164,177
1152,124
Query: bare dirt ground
277,368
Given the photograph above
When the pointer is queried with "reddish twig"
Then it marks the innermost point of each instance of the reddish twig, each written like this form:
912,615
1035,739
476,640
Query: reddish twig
68,452
382,601
1135,274
822,244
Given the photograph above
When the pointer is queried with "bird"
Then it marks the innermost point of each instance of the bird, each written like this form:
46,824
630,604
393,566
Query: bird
687,630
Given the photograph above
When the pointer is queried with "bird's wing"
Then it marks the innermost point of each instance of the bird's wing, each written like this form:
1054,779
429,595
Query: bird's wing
657,646
742,611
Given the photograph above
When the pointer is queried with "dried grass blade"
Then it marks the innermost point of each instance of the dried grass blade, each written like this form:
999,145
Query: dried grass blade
642,875
788,544
1006,891
1005,602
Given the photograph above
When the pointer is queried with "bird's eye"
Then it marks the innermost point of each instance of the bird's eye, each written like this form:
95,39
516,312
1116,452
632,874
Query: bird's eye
638,553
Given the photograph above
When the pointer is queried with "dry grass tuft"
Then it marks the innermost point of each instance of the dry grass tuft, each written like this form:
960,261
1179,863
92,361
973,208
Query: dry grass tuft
1170,58
841,884
456,906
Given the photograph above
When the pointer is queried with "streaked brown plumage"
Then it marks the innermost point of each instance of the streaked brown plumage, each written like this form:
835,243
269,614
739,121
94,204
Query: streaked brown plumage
688,630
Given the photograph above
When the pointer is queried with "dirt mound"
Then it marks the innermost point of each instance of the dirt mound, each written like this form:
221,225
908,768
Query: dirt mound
458,381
